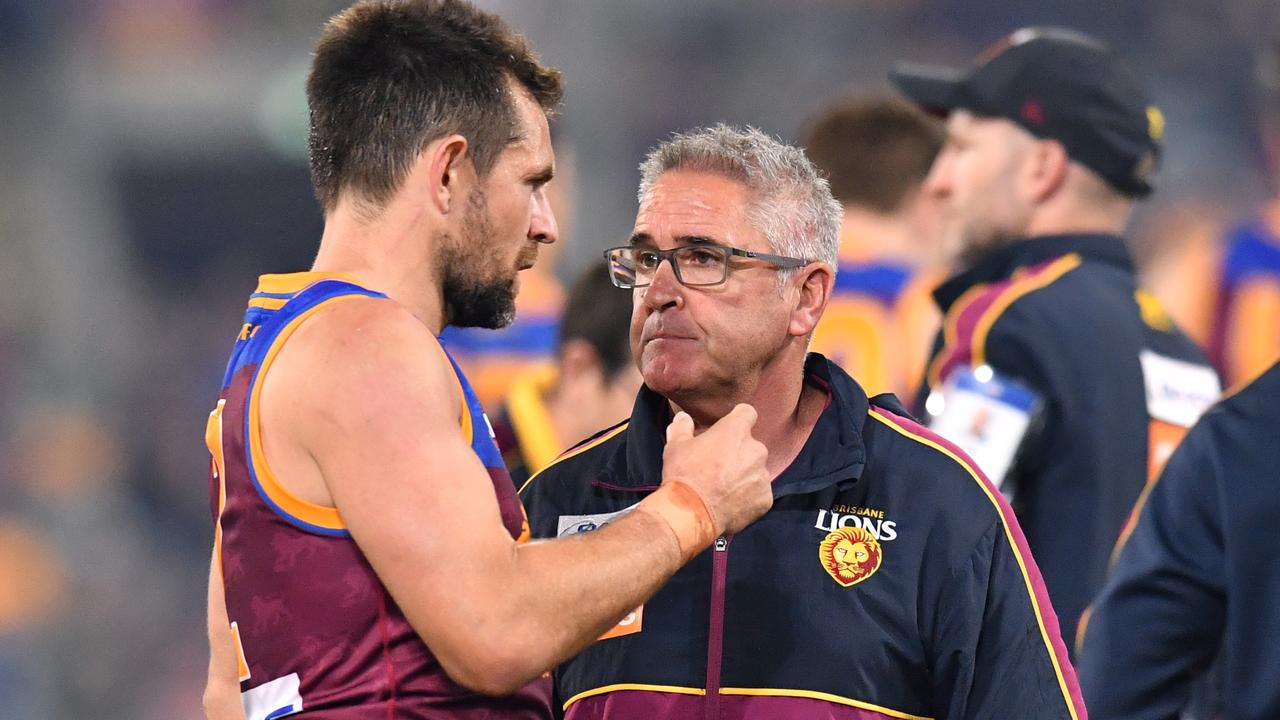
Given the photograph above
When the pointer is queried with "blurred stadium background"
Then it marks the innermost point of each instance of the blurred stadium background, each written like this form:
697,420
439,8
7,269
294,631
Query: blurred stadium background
153,163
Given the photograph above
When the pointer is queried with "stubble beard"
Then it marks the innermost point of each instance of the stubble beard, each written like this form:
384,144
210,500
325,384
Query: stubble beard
977,243
476,292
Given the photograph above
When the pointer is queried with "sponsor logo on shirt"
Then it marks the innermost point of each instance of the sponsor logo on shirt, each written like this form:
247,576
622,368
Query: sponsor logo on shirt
850,555
578,524
1178,392
567,525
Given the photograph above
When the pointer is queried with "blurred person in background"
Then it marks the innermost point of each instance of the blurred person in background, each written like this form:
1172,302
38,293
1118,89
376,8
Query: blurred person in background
496,360
1064,380
369,552
1199,577
876,152
888,580
1177,248
1246,337
590,387
34,600
83,593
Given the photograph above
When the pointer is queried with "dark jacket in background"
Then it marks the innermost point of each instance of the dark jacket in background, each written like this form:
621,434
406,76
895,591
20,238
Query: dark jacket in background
1116,384
1199,575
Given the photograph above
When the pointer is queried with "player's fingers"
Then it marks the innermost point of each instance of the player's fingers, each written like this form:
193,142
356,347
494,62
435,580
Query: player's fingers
681,427
742,415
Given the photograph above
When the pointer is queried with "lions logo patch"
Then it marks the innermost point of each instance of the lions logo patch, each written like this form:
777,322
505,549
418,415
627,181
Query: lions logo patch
850,555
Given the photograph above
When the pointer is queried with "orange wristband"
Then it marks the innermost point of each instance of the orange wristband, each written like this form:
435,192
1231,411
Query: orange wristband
686,513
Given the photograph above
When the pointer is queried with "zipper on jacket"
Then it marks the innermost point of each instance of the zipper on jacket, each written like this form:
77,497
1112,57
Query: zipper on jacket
715,635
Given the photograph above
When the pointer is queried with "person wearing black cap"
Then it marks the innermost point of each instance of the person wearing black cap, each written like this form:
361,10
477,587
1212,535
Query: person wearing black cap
1065,381
1245,340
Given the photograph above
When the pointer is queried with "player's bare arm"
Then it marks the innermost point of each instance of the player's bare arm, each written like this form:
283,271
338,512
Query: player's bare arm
361,411
222,689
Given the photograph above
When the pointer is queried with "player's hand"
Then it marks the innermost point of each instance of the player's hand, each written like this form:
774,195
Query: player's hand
725,465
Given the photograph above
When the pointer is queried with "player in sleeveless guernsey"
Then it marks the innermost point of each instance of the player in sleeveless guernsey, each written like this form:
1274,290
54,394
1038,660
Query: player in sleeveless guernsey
323,626
368,557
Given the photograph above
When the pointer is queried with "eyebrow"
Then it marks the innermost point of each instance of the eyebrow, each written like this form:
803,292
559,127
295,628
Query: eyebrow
643,238
543,176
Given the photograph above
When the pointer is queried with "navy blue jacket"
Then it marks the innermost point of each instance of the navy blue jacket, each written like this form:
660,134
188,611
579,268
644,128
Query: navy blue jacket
1118,384
1199,575
889,580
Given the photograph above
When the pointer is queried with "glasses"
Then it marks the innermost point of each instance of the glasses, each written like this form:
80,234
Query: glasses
694,265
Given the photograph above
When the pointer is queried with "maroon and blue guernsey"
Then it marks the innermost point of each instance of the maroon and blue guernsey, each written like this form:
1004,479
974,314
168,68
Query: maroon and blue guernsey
316,632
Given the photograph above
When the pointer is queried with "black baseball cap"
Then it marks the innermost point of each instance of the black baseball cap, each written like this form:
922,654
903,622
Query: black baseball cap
1058,84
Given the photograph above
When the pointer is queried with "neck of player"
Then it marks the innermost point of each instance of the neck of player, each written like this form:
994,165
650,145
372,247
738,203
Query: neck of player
387,252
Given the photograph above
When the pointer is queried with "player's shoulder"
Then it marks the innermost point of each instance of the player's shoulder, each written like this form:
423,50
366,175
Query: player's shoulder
1064,305
349,319
371,331
365,355
1058,288
1015,308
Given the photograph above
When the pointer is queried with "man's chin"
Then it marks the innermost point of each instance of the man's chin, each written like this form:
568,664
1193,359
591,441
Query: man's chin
489,310
667,376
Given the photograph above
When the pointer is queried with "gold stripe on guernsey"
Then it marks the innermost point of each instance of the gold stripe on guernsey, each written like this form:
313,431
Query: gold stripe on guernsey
827,697
213,441
1017,554
1017,289
308,512
951,332
292,283
576,451
674,689
268,303
754,692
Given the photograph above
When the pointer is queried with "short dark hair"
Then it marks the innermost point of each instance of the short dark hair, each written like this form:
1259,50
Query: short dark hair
600,314
390,76
874,151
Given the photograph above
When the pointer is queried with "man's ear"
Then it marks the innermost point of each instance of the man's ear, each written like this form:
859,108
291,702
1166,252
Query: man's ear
448,171
1047,165
815,284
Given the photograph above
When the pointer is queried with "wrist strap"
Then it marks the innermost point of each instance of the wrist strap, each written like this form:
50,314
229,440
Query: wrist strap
686,513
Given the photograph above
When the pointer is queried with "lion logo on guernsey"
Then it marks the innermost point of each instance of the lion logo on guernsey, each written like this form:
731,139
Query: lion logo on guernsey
850,555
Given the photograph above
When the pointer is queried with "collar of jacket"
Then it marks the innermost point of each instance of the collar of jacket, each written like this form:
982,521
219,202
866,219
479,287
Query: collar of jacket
834,452
1001,263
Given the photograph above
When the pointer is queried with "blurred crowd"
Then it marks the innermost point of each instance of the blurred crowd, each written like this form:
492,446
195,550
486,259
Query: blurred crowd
154,157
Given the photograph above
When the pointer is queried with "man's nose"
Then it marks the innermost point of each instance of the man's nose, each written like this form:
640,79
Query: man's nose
542,220
664,290
938,182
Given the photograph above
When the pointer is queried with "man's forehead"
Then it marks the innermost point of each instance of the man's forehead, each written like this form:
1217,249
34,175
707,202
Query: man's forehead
682,203
533,129
684,191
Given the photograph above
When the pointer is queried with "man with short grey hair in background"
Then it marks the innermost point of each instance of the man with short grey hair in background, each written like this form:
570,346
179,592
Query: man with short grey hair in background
890,579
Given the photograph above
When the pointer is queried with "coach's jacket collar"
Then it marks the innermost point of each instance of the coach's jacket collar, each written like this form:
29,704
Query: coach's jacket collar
1000,263
834,452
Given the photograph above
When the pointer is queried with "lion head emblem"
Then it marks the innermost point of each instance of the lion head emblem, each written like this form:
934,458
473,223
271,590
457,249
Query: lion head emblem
850,555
